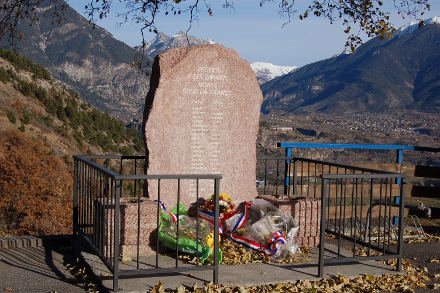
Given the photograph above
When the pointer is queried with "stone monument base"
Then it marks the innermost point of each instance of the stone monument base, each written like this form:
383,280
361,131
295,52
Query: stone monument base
307,214
129,228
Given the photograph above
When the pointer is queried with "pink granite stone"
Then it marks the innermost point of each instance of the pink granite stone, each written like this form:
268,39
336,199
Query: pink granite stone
201,117
128,227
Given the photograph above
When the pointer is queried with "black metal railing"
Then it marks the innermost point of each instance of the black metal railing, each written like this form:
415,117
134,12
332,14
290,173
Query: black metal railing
361,208
99,184
294,176
365,216
271,175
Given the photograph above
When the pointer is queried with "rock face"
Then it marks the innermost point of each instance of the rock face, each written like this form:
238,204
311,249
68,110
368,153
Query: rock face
90,60
201,117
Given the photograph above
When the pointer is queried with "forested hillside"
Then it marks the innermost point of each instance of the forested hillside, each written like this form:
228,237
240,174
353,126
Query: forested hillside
43,124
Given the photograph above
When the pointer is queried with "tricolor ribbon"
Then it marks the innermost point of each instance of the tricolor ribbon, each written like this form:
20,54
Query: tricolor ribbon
173,216
274,243
243,218
246,242
209,216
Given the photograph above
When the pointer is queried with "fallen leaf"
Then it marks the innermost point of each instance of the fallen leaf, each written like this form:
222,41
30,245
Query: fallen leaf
159,288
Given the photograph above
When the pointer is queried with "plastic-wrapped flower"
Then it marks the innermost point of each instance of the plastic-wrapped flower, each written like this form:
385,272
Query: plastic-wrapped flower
225,203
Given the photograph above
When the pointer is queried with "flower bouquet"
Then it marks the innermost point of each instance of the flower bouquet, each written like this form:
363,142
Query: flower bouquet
224,201
226,208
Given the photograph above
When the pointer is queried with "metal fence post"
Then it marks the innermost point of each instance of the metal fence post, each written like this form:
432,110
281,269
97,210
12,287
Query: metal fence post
401,223
216,228
322,231
288,153
75,208
116,237
295,178
399,160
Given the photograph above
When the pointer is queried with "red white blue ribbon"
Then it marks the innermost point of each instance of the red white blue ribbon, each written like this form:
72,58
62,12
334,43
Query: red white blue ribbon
243,218
274,243
173,216
246,242
209,216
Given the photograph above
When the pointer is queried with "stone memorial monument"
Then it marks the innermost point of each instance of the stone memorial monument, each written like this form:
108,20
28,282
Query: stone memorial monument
201,117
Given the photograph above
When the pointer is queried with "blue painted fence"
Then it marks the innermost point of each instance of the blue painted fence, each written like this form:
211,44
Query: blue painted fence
288,146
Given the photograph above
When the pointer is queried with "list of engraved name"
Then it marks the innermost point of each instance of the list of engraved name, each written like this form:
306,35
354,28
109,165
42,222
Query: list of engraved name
206,94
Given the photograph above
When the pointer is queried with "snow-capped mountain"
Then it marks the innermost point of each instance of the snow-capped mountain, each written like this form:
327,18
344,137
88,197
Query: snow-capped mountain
163,42
267,71
345,52
415,25
383,75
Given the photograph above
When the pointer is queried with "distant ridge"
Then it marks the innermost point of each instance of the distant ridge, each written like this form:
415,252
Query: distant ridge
382,75
267,71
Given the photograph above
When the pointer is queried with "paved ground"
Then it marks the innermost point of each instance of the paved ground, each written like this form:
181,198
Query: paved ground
43,269
36,269
421,254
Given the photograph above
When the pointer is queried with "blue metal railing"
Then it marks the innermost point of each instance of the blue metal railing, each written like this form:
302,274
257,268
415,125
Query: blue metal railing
288,146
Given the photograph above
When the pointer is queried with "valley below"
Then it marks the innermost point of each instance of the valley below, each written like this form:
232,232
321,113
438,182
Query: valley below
403,128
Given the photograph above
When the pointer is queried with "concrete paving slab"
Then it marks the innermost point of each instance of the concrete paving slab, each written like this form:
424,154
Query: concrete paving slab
241,275
34,269
43,269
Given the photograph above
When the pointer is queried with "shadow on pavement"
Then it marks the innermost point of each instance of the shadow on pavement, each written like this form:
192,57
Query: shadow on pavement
49,264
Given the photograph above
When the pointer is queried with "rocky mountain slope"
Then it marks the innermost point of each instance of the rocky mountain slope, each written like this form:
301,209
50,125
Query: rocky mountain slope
268,71
88,59
43,124
43,108
382,75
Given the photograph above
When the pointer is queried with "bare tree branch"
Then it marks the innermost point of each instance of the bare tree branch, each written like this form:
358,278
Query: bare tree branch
368,16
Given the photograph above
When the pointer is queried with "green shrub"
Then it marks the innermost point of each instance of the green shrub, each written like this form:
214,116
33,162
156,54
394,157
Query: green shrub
26,117
25,88
50,106
47,121
22,128
11,117
62,129
6,75
41,94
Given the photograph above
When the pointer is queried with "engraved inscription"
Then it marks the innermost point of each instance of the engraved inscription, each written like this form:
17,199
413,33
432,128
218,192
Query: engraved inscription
209,85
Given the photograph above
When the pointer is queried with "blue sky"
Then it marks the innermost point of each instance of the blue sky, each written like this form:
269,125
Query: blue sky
257,33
